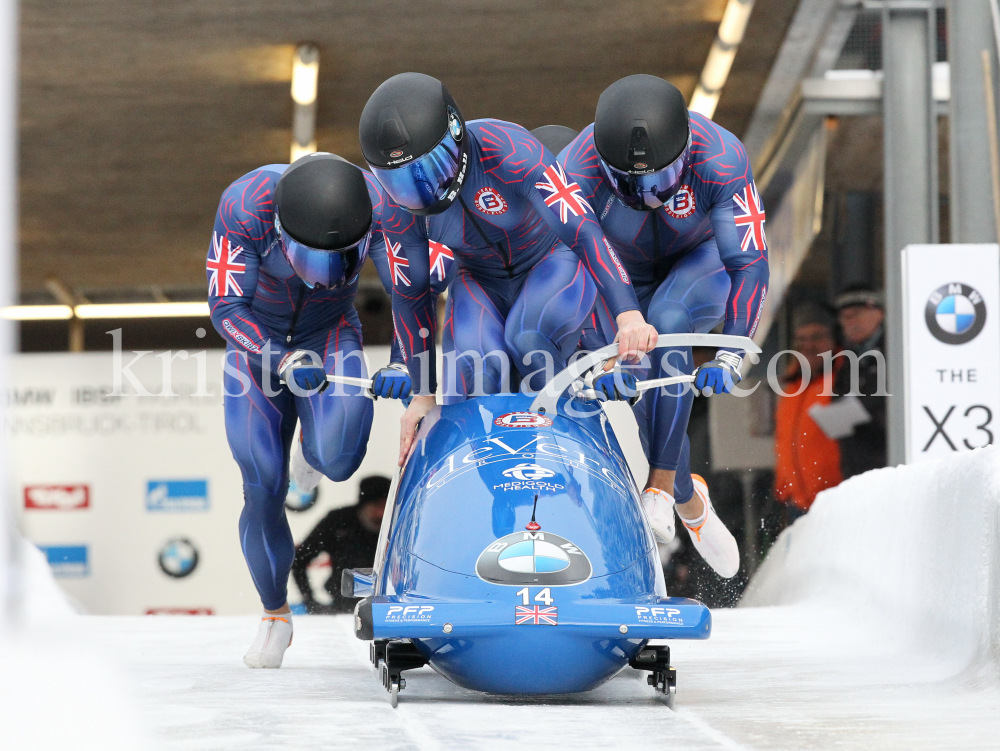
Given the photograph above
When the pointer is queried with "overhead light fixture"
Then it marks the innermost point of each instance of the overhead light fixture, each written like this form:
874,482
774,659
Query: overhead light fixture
734,22
37,313
720,57
305,82
143,310
109,310
305,73
301,151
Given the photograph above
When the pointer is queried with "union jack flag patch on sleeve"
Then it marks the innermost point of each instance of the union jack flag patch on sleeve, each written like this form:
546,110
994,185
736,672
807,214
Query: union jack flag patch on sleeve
222,267
566,195
748,211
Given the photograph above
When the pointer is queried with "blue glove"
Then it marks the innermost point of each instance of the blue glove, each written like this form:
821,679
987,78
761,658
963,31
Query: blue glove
616,386
297,367
720,375
392,382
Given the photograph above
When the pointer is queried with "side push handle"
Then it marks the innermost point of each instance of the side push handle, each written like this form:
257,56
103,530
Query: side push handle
548,398
365,383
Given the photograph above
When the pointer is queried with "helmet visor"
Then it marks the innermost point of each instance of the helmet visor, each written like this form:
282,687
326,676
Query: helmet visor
649,191
418,185
326,269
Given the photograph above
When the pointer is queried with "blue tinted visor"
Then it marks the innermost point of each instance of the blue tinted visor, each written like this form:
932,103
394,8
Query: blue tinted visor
649,191
326,269
418,185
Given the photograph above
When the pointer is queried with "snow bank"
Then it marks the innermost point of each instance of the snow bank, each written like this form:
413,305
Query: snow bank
911,550
60,690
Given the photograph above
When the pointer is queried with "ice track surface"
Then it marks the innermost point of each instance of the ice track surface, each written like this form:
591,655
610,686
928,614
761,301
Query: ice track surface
874,623
775,678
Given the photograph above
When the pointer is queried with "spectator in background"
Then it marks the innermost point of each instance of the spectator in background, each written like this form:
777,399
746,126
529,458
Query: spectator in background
861,313
349,536
806,460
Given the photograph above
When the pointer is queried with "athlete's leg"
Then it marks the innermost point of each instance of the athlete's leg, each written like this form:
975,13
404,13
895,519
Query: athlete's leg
337,422
475,358
259,429
547,319
692,299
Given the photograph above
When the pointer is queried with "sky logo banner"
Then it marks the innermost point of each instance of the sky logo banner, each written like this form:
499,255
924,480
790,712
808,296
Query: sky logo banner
177,495
67,561
56,497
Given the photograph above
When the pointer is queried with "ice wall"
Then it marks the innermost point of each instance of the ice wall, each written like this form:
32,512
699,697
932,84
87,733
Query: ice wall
911,550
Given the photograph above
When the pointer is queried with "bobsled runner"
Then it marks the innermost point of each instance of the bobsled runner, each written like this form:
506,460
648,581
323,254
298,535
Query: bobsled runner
514,555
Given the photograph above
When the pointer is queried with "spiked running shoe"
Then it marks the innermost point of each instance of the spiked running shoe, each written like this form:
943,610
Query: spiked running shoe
710,537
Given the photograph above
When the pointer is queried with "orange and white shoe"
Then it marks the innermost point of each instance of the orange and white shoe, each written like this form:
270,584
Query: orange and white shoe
659,508
710,537
273,637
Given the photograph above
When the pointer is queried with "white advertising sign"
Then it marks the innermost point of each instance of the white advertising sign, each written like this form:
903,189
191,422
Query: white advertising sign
951,307
136,500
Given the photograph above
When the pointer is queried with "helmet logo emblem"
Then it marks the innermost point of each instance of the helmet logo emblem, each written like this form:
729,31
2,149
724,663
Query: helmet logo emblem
396,154
640,165
490,202
454,124
682,204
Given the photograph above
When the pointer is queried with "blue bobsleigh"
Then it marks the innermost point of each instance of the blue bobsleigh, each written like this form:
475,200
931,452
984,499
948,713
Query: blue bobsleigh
514,555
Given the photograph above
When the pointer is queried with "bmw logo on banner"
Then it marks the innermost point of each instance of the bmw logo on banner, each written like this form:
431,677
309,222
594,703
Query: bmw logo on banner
955,313
178,558
535,558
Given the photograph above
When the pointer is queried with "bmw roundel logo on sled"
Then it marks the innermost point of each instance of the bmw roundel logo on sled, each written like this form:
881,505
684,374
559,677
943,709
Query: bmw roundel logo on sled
955,313
535,558
523,420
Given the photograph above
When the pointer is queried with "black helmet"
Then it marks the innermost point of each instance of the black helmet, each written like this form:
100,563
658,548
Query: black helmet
643,135
413,138
323,216
555,137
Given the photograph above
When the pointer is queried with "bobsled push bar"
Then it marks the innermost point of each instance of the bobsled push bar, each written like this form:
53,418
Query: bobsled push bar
365,383
548,398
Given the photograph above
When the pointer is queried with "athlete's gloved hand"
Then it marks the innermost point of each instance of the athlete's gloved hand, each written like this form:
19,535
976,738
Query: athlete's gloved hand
392,382
298,367
616,386
719,376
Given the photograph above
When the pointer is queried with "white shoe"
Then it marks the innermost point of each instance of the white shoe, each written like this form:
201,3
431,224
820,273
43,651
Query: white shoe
659,508
306,478
273,637
710,537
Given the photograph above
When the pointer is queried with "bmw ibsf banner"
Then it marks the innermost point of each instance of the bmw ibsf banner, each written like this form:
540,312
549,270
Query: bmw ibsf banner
951,304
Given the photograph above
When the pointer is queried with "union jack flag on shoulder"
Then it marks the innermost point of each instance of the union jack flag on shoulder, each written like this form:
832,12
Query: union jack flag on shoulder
397,262
568,195
222,267
748,211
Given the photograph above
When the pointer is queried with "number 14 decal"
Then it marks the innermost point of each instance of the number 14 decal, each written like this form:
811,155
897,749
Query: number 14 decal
545,596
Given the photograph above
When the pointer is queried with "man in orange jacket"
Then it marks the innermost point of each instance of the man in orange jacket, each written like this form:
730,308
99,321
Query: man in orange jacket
807,461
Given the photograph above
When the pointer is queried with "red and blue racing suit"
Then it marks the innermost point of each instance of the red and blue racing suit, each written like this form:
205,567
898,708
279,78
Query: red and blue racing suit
529,251
698,260
258,303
